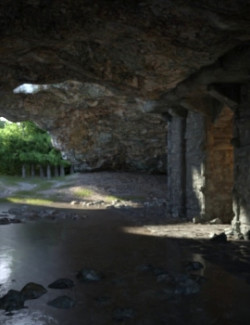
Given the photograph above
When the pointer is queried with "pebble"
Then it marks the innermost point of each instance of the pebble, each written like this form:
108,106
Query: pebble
7,221
220,238
194,266
88,275
32,291
61,284
13,300
216,221
123,314
62,302
103,300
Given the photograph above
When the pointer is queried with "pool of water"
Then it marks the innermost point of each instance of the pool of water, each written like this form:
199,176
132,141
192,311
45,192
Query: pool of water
44,251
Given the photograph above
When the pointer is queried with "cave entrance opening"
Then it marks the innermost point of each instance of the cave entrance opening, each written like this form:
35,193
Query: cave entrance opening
27,150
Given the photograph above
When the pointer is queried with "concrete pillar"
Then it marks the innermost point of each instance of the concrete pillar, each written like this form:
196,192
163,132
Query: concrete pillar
195,170
241,142
176,167
200,167
219,167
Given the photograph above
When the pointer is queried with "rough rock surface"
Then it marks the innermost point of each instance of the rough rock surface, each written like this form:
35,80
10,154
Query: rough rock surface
98,127
32,291
62,302
111,64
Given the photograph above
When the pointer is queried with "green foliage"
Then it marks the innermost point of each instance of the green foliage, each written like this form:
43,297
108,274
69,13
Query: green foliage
83,192
25,144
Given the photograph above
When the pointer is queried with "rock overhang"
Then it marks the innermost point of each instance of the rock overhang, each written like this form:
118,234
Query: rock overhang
115,61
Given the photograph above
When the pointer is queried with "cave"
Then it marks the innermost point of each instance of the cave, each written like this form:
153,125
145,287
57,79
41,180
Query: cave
160,87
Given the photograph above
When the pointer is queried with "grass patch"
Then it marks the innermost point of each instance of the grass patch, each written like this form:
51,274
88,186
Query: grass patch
111,198
45,185
24,193
31,201
83,192
63,185
10,180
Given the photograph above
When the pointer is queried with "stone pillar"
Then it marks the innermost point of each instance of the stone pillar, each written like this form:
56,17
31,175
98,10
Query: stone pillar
241,143
195,162
219,167
200,167
176,167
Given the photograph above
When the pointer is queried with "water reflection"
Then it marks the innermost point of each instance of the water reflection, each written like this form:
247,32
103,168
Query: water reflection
24,318
42,252
5,265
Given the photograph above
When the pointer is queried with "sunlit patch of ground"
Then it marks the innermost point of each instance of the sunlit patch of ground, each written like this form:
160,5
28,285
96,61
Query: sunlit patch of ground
90,186
180,230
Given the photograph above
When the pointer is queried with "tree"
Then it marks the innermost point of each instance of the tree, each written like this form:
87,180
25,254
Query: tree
24,146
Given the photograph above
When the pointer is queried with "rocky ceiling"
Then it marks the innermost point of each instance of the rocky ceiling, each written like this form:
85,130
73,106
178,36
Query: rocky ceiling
110,68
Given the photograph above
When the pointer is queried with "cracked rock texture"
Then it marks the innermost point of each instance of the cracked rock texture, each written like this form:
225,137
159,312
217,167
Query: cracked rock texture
110,64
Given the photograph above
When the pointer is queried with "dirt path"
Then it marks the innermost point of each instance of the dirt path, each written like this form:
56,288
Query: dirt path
138,197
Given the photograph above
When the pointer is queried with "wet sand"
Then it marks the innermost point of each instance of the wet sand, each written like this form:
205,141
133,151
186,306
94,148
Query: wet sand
119,246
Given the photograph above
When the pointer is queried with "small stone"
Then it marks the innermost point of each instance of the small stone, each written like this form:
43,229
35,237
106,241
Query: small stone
157,271
73,202
88,275
216,221
163,277
13,300
14,220
185,285
61,284
145,268
4,221
104,300
221,238
194,266
62,302
196,220
32,291
198,278
123,314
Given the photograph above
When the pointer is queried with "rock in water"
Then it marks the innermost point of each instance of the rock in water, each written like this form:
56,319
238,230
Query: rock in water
62,284
186,286
221,238
13,300
62,302
88,275
194,266
7,221
123,314
32,291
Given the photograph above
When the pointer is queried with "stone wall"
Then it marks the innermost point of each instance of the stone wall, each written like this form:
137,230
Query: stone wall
242,163
200,167
219,167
